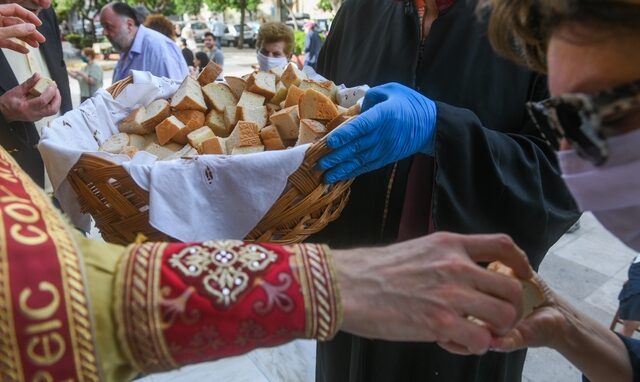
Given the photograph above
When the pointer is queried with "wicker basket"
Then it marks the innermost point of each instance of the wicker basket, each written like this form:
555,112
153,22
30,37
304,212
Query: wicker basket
120,207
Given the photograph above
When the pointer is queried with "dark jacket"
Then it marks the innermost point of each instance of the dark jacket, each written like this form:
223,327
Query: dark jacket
21,138
493,172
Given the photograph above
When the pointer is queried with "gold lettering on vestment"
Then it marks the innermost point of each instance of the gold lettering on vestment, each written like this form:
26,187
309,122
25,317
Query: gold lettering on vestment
52,348
17,232
7,175
45,312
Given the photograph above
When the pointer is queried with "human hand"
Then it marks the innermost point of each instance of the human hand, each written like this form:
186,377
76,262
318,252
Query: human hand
396,122
541,328
424,289
16,21
18,105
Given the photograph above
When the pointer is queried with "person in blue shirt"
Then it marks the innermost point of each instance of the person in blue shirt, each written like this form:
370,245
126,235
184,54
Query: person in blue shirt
629,311
140,48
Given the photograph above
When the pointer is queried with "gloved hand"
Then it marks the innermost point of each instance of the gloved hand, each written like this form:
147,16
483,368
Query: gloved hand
396,122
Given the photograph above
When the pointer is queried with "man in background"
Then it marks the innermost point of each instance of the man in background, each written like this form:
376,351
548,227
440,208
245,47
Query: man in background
214,53
218,31
140,48
22,117
312,44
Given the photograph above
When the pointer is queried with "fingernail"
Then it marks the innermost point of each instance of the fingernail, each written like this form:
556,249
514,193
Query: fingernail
29,27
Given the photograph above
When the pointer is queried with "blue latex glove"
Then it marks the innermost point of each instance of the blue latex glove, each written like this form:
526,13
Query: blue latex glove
396,122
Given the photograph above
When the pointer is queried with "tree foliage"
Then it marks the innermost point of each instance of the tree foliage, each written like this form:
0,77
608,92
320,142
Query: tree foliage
329,5
164,7
240,5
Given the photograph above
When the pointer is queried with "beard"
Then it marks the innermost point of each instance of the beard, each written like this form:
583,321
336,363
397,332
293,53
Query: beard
121,41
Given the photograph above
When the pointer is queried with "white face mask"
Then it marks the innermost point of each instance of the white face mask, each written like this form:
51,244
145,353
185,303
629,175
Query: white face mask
267,63
610,191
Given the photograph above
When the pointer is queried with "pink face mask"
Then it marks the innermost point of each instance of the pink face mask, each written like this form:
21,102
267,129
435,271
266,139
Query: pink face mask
611,191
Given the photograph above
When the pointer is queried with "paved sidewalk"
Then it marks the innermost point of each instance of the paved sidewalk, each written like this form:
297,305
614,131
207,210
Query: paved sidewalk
587,267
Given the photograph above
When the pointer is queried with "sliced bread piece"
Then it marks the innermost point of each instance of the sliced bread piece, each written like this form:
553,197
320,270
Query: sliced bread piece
200,135
162,152
287,122
116,143
183,152
132,123
327,88
213,145
215,121
293,96
278,70
247,150
353,110
532,292
192,120
138,141
219,96
230,118
263,83
156,112
292,75
248,134
315,105
271,138
40,86
281,94
257,115
167,129
189,96
310,131
236,84
249,99
209,73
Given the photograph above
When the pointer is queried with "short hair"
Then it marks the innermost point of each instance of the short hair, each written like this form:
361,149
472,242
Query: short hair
161,24
124,10
89,53
274,32
209,34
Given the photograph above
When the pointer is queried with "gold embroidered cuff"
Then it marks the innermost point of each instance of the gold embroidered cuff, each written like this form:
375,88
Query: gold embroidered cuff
319,284
137,308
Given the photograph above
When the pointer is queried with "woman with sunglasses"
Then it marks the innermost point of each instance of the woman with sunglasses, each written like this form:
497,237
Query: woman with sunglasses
591,52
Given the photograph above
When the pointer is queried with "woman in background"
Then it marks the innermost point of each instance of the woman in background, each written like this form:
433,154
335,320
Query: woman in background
274,45
90,76
200,61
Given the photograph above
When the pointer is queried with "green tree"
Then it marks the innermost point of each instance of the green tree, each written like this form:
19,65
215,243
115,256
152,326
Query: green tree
85,9
329,5
241,5
164,7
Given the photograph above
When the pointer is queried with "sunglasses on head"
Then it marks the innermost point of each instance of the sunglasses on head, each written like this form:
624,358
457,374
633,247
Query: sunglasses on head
582,118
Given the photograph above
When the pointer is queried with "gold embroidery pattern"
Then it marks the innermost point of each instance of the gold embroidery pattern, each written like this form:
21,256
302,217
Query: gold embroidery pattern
9,357
321,295
138,308
223,265
78,308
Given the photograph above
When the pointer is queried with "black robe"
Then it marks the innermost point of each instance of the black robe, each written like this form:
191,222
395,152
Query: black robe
20,138
493,173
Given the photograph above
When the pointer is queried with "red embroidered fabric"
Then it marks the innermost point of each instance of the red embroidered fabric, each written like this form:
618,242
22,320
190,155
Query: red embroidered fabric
183,304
